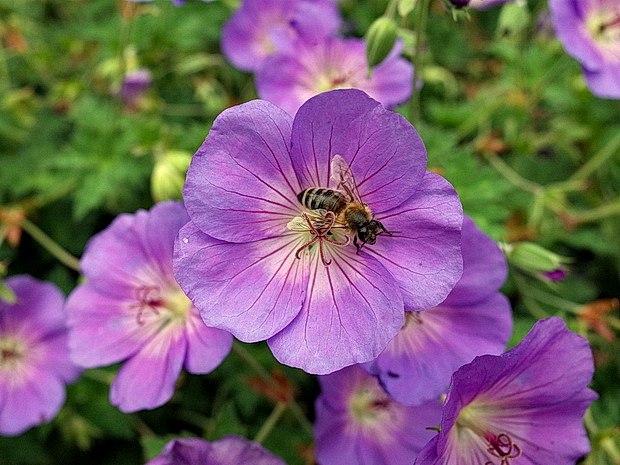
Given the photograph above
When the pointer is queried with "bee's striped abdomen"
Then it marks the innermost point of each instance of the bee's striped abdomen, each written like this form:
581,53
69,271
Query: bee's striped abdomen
315,198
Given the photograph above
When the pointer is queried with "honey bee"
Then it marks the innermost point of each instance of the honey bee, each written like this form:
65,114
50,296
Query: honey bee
346,207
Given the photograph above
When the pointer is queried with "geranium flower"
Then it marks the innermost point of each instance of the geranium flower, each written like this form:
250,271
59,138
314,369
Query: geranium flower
590,32
289,79
260,28
475,319
358,423
34,357
226,451
524,407
257,263
132,309
484,4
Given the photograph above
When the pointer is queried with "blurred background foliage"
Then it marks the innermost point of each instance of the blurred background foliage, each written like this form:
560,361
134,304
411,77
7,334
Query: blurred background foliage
505,115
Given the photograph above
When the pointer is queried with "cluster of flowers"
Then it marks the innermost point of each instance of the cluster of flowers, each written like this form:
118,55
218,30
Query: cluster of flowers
294,49
384,324
390,324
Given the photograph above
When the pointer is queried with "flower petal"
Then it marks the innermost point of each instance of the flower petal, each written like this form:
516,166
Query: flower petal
352,309
484,267
23,406
206,347
252,290
385,153
102,331
424,253
418,363
240,184
147,379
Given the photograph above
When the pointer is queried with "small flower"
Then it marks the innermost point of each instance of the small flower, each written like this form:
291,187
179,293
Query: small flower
135,83
474,319
226,451
260,28
289,79
258,263
484,4
34,357
131,308
525,406
175,2
590,32
358,423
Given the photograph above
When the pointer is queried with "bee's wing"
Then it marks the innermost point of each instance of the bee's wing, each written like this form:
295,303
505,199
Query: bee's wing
342,174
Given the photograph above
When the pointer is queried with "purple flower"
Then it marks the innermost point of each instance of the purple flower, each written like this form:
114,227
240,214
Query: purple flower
526,405
289,79
590,32
226,451
176,2
34,357
134,85
257,263
260,28
484,4
132,309
358,423
474,319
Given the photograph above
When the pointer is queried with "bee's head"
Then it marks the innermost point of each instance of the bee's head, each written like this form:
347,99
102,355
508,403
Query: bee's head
368,233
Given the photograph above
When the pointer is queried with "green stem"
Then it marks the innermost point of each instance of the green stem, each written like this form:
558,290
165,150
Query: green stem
271,421
600,157
50,245
531,304
251,361
604,211
554,301
390,11
418,60
258,369
512,176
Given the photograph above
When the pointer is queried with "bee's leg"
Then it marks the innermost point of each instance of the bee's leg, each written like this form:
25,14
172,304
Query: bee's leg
357,244
384,229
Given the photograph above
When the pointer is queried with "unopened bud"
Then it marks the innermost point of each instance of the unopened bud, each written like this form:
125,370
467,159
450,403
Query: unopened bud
169,175
537,260
513,19
380,40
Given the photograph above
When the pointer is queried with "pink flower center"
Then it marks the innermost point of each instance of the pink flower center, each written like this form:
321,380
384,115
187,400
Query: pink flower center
168,303
502,447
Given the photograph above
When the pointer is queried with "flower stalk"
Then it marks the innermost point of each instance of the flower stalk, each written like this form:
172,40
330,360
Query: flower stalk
50,245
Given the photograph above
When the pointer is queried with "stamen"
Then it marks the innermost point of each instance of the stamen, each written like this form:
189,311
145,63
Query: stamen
502,447
147,297
320,235
611,23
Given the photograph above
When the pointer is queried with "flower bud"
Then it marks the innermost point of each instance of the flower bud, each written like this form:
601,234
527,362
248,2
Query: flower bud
537,260
169,175
380,39
513,19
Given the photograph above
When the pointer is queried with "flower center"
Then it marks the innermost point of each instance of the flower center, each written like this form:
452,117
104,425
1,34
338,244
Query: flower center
319,224
334,79
604,26
499,446
169,304
11,353
370,405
